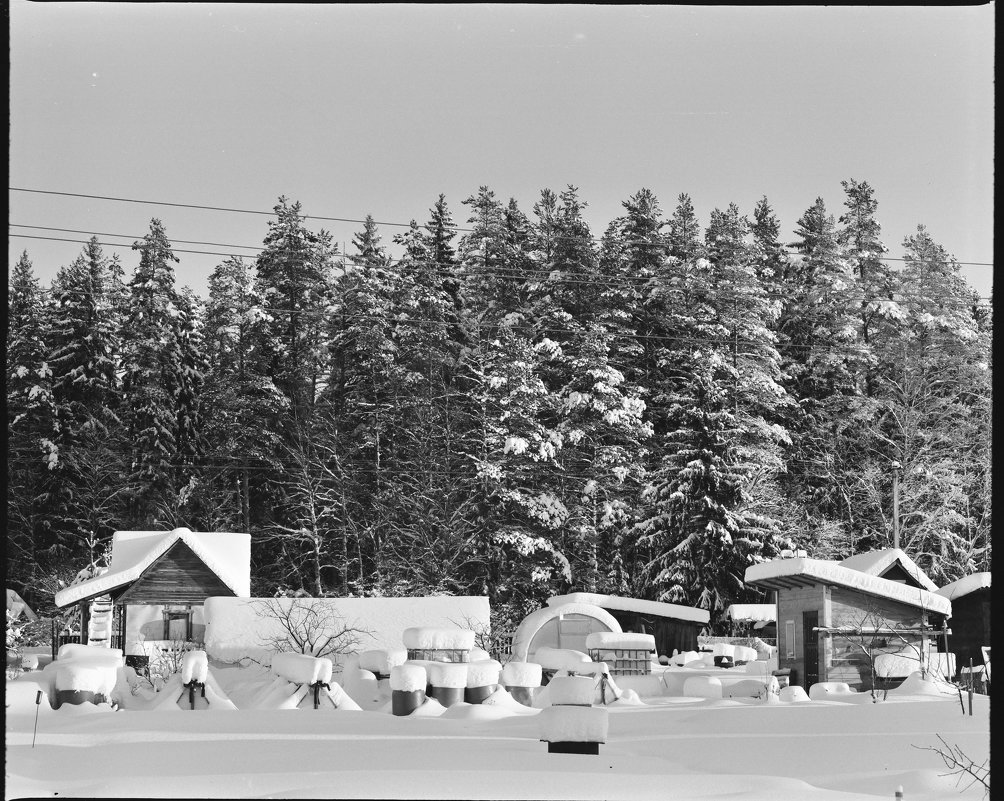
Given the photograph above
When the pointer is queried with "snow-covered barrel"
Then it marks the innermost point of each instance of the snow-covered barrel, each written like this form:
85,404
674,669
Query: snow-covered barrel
724,654
80,681
438,645
573,729
448,680
482,680
521,679
407,684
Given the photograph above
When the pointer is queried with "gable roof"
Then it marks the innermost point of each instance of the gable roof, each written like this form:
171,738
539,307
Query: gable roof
784,573
657,608
966,585
227,554
875,563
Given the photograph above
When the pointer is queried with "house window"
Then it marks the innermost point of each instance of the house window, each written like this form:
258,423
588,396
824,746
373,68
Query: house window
178,624
789,638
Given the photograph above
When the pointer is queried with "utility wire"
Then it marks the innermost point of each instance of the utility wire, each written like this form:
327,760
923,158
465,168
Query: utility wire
351,220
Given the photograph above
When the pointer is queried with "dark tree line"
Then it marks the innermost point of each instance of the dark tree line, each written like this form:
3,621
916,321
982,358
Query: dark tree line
519,410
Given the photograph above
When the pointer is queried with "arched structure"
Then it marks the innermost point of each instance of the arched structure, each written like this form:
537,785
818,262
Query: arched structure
561,626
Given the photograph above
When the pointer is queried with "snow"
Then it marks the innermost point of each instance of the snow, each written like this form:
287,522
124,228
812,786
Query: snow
702,687
302,668
562,659
194,667
825,689
383,660
723,649
521,674
752,613
227,554
235,630
523,637
659,608
965,585
408,678
877,562
423,638
845,748
448,675
684,658
574,724
620,641
835,573
76,652
483,673
571,690
86,676
905,662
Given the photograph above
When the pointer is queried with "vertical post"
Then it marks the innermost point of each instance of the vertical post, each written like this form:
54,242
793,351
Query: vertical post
895,505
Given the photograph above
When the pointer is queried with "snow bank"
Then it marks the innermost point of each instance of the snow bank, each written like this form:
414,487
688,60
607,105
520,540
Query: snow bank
743,653
620,641
381,661
234,629
521,674
905,662
574,724
752,688
481,674
86,676
561,659
723,649
915,684
501,697
194,667
421,638
448,675
685,658
577,690
302,668
758,668
408,677
702,687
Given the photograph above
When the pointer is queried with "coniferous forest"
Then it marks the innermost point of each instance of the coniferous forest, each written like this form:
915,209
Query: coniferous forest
514,405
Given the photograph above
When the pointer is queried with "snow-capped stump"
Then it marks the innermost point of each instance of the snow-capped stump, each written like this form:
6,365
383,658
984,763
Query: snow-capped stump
573,729
572,690
84,681
482,679
448,681
380,662
194,667
627,653
822,690
302,668
702,687
685,657
407,684
521,679
438,645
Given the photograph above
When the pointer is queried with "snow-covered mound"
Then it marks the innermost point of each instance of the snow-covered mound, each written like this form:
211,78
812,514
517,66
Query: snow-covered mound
421,638
302,668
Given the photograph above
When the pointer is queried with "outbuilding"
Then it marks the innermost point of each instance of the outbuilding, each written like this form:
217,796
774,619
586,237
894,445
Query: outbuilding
970,597
834,618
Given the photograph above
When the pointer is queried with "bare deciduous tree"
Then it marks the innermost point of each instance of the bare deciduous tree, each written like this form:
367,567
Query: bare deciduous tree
308,626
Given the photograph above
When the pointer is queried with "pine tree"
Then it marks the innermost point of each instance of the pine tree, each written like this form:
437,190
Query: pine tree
684,231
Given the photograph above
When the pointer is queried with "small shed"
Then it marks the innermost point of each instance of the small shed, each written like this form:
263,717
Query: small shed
970,597
831,616
674,626
155,585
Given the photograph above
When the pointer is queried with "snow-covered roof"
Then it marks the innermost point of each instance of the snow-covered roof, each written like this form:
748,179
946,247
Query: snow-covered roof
752,613
227,554
966,585
658,608
875,563
826,572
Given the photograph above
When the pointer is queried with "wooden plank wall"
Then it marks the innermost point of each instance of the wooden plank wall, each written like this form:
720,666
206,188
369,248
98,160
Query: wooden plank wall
790,605
177,577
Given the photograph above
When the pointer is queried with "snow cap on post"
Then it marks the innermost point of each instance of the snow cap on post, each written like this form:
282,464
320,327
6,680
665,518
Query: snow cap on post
194,667
408,678
521,674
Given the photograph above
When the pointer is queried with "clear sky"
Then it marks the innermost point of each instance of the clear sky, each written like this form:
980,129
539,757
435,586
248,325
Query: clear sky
376,109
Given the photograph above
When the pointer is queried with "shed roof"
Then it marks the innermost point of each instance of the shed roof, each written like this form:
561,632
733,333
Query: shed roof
227,554
781,574
657,608
875,563
966,585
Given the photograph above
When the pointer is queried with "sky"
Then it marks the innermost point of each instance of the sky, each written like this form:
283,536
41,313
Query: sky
377,109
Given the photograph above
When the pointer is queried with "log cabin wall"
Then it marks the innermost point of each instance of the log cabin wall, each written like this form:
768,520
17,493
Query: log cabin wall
791,603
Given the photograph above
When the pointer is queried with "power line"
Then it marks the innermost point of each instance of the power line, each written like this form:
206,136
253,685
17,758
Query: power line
591,238
127,236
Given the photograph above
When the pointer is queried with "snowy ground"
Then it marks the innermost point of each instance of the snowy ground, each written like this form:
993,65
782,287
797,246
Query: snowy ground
678,748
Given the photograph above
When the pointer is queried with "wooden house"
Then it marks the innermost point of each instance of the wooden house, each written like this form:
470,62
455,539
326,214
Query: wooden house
970,621
567,620
834,618
155,586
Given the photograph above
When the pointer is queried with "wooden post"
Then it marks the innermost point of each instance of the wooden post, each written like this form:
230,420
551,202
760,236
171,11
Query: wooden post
85,620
